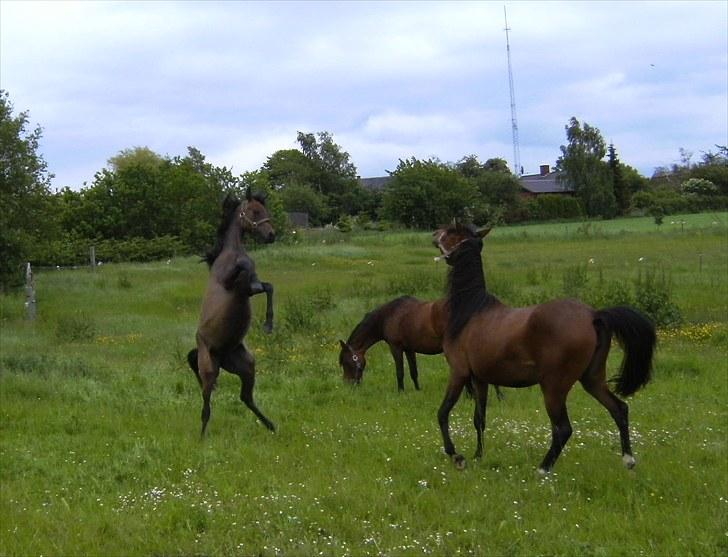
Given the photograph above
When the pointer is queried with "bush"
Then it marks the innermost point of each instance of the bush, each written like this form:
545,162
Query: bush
574,280
75,251
653,297
698,186
552,207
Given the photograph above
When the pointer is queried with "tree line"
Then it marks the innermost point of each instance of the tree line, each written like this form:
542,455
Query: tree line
144,206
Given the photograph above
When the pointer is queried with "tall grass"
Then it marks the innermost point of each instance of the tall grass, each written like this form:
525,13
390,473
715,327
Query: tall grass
99,436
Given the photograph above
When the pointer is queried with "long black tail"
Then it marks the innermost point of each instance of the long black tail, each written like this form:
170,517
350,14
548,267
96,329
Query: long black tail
192,361
636,334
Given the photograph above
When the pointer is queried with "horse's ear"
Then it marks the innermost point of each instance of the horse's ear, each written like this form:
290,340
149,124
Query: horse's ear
249,194
483,232
344,346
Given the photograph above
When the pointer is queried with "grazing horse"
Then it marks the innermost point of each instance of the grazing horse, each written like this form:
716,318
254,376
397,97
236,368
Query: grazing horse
225,315
409,326
552,345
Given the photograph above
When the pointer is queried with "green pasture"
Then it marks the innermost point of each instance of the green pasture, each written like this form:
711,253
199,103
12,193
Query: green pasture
99,417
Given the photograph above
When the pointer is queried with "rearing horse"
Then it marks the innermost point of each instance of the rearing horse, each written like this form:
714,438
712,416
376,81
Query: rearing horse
552,345
225,315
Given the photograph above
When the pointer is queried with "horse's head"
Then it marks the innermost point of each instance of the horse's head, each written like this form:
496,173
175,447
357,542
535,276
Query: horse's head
353,363
255,219
448,239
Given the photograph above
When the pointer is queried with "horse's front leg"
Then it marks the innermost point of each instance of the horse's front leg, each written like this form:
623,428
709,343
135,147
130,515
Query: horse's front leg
241,274
258,288
452,394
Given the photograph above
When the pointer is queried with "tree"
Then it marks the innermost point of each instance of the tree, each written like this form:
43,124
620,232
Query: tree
498,187
622,193
714,168
585,172
25,192
426,194
288,167
335,174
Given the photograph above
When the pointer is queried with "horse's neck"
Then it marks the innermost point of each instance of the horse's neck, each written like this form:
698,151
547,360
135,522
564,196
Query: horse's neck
467,295
233,238
366,334
467,276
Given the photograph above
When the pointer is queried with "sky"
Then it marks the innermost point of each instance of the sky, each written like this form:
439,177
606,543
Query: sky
388,80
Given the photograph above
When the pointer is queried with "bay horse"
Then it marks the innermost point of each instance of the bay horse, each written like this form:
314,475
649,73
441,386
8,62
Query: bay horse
408,325
552,345
225,315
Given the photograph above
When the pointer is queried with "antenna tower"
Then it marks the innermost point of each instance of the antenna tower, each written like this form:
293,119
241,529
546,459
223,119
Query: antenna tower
514,122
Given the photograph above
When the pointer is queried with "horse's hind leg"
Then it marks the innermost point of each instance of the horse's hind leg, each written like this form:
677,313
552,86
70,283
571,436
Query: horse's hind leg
207,372
481,400
412,362
618,409
242,363
560,426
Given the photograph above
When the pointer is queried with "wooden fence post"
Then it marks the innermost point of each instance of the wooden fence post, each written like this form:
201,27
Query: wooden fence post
93,258
30,306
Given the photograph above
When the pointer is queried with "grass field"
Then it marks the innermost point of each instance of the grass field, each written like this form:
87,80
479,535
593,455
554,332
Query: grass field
99,416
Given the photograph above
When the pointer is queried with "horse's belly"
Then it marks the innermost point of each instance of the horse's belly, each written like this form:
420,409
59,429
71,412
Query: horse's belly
511,373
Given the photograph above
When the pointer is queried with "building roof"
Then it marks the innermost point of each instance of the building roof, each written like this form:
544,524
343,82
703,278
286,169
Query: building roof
544,183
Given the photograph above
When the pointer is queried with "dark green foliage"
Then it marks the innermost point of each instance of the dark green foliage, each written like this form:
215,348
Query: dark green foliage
75,250
426,194
24,193
585,171
622,191
554,207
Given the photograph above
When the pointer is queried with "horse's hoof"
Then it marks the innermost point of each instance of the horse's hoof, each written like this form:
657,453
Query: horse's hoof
459,461
543,472
628,461
268,327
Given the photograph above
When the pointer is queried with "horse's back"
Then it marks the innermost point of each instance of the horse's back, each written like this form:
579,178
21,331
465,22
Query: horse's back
415,325
518,346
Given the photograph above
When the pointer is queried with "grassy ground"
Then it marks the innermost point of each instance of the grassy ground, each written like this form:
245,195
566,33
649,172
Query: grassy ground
99,418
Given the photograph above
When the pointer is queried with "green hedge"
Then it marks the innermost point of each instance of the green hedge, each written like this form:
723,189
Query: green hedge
552,207
76,251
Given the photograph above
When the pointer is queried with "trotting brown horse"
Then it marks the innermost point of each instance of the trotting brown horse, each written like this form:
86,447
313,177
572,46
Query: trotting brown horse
552,345
225,315
408,325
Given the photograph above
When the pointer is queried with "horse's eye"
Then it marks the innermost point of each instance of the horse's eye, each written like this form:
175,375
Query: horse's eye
355,358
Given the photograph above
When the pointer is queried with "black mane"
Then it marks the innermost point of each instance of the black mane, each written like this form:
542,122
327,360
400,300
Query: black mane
467,294
372,325
229,204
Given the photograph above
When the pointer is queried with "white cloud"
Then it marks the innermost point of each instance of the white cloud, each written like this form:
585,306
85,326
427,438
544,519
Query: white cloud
389,80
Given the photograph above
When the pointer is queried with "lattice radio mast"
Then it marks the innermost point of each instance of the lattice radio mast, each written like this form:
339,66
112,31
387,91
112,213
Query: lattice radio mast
514,121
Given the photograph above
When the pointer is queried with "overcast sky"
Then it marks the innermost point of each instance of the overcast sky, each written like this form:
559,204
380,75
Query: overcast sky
389,80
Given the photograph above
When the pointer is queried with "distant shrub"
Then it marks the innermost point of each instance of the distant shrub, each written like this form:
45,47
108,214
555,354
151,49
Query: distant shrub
574,280
653,296
300,314
75,327
610,294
